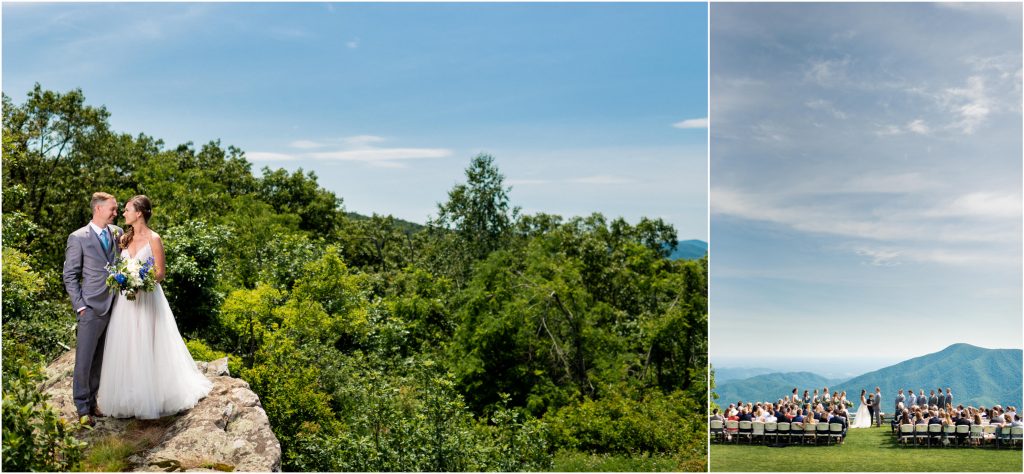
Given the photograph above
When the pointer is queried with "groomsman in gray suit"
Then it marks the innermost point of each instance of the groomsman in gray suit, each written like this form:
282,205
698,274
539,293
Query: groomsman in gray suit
940,398
899,399
89,250
877,402
911,398
933,400
949,395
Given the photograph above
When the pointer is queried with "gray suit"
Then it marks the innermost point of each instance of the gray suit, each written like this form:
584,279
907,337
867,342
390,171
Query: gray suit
85,281
877,402
940,400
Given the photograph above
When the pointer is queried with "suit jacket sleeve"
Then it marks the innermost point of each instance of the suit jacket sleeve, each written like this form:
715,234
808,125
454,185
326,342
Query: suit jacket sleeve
73,271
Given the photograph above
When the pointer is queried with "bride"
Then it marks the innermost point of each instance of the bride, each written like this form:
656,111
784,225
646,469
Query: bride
862,419
147,370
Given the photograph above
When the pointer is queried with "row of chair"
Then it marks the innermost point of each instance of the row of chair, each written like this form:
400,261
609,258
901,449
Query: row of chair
960,435
770,432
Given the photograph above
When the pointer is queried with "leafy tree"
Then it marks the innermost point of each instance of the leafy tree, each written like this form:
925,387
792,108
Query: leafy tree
479,216
319,210
193,270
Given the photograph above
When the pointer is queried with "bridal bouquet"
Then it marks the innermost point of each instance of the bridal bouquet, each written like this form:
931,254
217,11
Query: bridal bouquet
129,276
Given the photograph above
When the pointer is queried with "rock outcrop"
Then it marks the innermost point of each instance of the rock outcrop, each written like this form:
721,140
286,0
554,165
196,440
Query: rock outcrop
228,430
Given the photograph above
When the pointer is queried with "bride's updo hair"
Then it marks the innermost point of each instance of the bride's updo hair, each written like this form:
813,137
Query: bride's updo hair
140,203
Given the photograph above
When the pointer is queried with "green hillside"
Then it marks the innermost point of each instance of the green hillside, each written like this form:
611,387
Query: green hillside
768,387
978,376
689,250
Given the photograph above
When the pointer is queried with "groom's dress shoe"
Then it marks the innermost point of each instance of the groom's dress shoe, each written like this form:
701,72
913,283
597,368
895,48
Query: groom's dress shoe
96,413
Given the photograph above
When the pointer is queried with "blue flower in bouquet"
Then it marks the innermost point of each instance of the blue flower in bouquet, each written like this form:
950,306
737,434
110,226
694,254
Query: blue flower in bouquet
129,276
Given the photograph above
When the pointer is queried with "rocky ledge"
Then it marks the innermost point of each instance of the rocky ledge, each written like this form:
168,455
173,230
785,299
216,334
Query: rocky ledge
226,431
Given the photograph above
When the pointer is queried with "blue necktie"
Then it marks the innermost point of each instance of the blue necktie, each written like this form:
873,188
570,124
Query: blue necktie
105,239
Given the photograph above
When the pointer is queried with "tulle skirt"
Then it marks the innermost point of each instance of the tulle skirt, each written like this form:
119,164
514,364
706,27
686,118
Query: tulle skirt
862,419
147,371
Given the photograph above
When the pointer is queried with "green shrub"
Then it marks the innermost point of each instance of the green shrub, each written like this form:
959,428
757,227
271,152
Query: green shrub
35,438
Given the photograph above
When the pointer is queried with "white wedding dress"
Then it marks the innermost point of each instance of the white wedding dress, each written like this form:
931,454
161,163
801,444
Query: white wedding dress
147,371
862,419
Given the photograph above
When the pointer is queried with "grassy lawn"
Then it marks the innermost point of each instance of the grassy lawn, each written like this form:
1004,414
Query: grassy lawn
572,461
870,450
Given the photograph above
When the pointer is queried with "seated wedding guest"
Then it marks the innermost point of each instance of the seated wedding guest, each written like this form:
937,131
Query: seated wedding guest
1012,411
797,417
769,416
919,419
960,419
745,415
839,418
934,420
715,415
905,418
1015,423
946,419
897,417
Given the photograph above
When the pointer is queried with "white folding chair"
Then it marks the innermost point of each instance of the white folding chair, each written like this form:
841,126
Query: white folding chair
717,428
731,427
835,431
977,434
757,433
906,434
746,428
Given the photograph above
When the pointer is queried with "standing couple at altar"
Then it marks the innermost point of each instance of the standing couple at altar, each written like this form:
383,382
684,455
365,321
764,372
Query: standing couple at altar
130,359
870,409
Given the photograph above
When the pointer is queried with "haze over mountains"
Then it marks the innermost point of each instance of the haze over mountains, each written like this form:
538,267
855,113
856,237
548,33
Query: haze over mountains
978,376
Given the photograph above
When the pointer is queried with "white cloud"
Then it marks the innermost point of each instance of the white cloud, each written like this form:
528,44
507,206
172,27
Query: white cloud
981,205
526,182
887,183
354,148
824,105
267,156
602,179
382,154
305,144
880,257
970,103
918,126
692,123
827,72
362,140
352,43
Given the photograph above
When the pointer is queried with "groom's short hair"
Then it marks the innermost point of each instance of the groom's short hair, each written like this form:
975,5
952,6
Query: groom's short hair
99,197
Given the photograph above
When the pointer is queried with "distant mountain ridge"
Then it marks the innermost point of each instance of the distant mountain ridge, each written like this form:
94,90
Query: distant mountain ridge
978,376
689,250
769,387
737,373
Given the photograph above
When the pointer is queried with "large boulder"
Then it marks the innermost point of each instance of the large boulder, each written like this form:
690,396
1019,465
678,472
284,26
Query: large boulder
227,430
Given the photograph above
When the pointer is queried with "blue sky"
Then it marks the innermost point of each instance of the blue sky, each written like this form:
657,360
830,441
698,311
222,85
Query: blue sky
865,180
586,107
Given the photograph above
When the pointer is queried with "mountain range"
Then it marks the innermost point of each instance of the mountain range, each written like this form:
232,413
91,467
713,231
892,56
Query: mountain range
978,376
689,250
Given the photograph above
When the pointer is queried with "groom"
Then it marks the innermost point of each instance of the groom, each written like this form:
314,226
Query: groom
89,250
